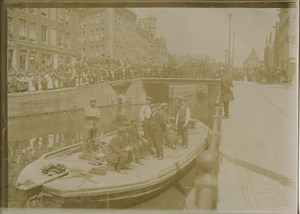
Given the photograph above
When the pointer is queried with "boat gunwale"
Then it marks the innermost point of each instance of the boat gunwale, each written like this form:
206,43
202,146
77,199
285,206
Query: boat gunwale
165,172
183,162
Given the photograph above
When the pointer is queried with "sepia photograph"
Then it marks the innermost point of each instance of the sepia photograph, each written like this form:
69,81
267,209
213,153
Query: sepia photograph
153,109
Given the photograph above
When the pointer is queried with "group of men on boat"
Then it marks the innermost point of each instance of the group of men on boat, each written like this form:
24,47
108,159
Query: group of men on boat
128,145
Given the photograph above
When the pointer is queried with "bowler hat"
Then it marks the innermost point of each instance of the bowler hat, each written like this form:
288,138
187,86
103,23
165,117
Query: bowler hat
148,98
182,98
93,99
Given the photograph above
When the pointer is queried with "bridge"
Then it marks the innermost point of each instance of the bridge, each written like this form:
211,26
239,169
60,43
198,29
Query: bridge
257,170
135,91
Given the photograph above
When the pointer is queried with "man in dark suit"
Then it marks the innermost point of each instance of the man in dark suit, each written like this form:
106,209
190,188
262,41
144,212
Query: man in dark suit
227,95
117,152
158,126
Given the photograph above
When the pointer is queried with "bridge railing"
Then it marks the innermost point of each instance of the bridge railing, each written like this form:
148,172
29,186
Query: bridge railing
206,182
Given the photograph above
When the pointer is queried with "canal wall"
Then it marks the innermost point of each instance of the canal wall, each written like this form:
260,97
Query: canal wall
182,90
59,100
134,91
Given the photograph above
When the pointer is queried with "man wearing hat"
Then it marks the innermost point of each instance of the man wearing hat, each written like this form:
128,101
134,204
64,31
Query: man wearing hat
145,114
158,126
117,152
182,119
135,141
92,116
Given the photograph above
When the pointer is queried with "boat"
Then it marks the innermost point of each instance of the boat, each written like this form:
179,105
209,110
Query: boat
77,186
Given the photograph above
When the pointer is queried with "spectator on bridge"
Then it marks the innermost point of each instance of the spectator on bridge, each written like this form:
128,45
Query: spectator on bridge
227,95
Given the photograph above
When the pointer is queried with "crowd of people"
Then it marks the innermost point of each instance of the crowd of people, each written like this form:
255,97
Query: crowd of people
264,75
45,78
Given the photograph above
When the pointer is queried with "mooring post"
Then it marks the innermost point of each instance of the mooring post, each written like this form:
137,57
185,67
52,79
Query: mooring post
206,181
206,194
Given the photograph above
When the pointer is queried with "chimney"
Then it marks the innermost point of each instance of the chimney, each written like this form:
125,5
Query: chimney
270,39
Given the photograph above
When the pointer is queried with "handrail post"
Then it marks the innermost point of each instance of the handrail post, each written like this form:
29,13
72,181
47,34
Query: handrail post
206,183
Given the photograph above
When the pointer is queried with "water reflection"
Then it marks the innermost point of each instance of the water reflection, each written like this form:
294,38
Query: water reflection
31,137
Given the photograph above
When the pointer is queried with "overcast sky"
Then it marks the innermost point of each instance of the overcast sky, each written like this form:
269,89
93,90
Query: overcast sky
205,31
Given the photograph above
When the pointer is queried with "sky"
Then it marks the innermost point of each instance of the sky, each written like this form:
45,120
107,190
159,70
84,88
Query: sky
205,30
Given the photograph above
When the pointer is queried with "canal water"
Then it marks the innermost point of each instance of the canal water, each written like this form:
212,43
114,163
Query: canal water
30,137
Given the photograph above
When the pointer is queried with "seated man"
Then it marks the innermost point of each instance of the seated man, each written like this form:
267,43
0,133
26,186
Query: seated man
136,141
117,152
172,138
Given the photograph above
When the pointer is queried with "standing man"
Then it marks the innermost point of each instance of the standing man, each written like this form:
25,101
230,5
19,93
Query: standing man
145,114
182,119
227,95
158,126
92,116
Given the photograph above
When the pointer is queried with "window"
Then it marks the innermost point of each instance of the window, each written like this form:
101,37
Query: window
92,51
59,39
32,59
32,32
84,21
102,36
67,40
97,32
10,27
44,12
23,59
53,37
44,34
97,18
22,29
60,15
83,52
46,59
92,36
97,51
67,16
83,36
53,14
32,11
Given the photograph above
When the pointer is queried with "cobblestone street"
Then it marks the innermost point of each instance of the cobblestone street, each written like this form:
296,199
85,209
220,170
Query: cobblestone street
259,150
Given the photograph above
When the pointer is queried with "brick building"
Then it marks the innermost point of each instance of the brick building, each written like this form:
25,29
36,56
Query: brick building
117,34
39,36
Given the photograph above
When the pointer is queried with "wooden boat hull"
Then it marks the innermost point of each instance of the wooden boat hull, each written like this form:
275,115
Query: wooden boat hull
115,201
113,190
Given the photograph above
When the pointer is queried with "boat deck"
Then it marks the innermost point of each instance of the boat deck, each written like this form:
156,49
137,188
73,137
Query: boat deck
153,171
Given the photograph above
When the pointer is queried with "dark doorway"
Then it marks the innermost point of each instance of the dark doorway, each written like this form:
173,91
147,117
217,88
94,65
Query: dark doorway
158,91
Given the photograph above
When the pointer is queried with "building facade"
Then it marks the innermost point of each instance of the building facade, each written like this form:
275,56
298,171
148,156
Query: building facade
252,62
286,40
281,52
107,34
39,36
269,53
